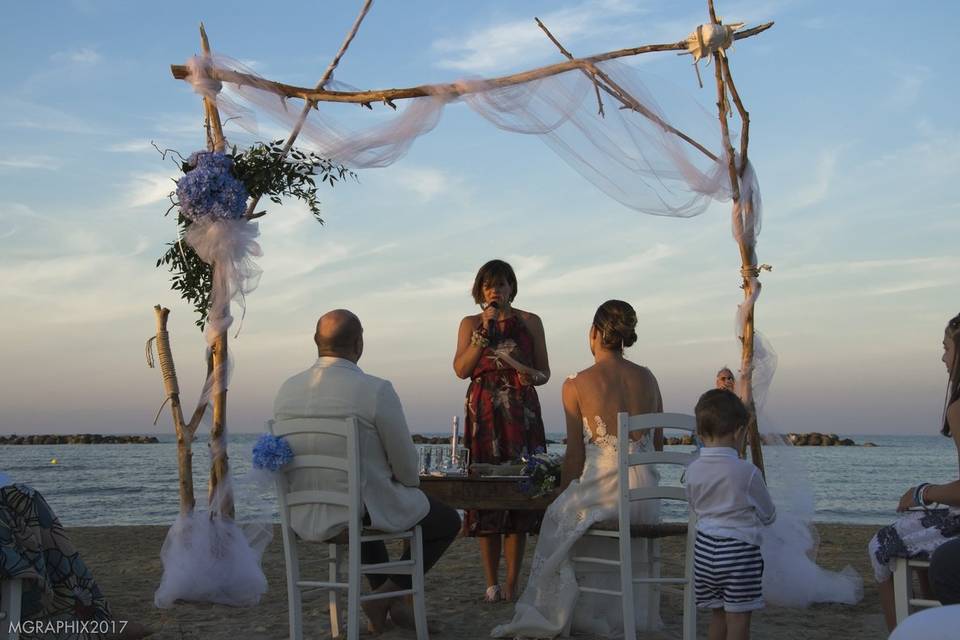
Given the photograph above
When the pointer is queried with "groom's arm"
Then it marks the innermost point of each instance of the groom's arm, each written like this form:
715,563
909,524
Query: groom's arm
395,436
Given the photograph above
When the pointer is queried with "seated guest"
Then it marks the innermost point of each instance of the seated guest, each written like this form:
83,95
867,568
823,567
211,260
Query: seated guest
58,588
919,533
335,385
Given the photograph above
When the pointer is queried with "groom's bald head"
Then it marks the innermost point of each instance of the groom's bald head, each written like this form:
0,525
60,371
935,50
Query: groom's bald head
339,334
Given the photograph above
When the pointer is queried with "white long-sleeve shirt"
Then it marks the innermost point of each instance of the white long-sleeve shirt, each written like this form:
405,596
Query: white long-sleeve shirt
728,495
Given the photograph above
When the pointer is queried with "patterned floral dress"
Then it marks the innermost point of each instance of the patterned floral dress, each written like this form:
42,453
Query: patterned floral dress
58,585
915,535
502,422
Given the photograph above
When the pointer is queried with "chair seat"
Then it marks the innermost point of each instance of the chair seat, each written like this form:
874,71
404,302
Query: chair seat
658,530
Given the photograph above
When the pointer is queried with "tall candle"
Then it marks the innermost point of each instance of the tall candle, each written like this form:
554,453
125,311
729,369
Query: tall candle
453,441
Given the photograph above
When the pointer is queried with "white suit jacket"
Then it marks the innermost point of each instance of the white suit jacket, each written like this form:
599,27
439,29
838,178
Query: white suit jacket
389,474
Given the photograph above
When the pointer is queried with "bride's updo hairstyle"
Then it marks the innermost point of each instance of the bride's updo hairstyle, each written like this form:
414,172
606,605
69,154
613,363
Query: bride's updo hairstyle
952,334
617,322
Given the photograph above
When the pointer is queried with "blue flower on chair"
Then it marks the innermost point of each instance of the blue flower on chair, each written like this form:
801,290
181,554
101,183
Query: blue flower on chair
271,452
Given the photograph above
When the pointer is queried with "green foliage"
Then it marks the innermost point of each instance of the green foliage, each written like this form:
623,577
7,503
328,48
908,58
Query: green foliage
191,276
265,173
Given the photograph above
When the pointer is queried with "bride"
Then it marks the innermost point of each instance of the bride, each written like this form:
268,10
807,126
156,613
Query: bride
551,604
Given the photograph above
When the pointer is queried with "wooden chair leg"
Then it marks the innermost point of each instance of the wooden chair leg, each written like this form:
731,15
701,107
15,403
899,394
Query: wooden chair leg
333,595
626,587
419,591
353,594
11,594
294,597
689,592
902,589
653,571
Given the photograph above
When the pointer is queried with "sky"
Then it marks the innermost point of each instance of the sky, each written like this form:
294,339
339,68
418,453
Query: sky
853,135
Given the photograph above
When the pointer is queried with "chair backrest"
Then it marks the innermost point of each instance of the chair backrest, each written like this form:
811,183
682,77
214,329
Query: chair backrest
333,476
627,424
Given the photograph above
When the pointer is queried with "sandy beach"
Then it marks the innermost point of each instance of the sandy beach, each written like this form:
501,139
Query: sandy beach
126,563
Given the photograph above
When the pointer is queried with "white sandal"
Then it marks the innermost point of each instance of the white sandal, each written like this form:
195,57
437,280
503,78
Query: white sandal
493,594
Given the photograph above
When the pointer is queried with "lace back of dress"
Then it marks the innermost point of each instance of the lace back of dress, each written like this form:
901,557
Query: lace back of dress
604,440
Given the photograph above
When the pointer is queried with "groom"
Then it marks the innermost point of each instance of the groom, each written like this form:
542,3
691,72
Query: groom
335,385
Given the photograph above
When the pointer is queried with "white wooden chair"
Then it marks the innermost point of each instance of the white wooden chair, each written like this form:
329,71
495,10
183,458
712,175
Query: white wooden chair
11,592
903,588
651,533
352,537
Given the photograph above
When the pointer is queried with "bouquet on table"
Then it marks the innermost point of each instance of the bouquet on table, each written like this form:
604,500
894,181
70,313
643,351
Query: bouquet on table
542,473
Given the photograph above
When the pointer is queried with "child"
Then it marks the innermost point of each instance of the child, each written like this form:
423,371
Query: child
731,501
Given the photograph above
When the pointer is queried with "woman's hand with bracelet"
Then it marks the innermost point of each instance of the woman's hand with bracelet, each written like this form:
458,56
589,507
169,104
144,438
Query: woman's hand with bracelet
915,497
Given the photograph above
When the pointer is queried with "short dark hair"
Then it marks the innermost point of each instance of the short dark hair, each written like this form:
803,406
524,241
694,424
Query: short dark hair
719,413
490,272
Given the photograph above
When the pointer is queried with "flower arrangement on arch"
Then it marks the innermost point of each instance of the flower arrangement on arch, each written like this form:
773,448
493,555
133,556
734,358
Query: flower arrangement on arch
542,473
218,185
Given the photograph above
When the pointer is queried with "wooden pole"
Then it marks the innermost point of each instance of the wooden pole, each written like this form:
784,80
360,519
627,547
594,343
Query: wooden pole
220,467
216,140
180,72
185,432
308,104
748,255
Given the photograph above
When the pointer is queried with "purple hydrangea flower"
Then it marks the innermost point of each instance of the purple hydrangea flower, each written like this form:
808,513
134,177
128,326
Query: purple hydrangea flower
210,189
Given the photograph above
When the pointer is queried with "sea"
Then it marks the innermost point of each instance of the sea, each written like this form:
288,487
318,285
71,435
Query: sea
136,484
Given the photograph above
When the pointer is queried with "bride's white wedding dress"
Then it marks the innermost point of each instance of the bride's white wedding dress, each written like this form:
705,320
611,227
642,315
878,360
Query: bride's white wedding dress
551,605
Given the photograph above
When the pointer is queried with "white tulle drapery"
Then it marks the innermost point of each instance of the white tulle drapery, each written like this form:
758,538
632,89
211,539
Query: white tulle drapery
634,158
791,575
208,558
207,555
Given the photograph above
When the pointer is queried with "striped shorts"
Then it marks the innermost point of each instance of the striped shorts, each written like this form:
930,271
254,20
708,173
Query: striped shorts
727,574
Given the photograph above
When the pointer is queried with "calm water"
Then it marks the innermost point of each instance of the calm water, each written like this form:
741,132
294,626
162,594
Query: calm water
137,484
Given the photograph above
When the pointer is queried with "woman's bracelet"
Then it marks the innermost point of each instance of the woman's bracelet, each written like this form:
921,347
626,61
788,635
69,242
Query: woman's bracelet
918,494
478,339
923,494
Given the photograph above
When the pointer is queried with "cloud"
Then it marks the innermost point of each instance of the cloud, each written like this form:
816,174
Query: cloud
587,278
84,55
148,188
131,146
32,115
908,81
426,183
504,44
854,267
818,187
30,162
907,287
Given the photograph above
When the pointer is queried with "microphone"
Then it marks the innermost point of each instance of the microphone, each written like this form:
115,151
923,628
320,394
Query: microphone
492,323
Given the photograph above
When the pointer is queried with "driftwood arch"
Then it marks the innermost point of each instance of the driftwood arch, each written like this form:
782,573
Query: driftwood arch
737,165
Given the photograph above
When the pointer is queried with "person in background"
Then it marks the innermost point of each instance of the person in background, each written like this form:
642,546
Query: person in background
503,352
726,380
920,532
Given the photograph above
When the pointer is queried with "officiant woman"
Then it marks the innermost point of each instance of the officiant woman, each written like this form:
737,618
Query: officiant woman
502,350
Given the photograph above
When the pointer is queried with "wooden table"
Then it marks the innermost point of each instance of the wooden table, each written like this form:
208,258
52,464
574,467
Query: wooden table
484,492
